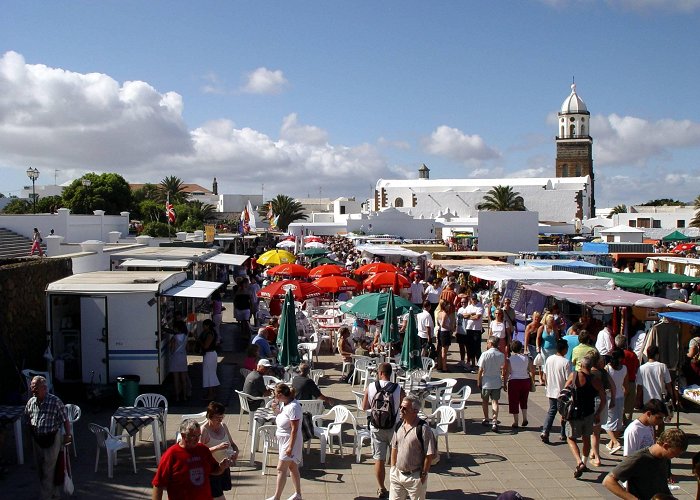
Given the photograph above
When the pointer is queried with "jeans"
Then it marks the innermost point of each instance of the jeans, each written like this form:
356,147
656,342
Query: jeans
549,419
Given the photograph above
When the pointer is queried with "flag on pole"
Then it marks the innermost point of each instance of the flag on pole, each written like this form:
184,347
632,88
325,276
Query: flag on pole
169,211
251,218
245,221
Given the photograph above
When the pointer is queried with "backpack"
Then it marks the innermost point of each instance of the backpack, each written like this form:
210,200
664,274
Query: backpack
382,410
567,405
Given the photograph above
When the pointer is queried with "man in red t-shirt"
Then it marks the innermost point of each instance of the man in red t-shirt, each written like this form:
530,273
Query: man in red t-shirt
185,467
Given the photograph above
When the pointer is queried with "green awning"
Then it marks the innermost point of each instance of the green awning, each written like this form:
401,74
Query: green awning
646,282
675,236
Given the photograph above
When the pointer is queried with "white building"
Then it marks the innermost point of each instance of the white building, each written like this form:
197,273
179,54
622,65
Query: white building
622,234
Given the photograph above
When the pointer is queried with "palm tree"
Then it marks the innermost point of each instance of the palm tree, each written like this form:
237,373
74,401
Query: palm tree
288,209
617,209
695,222
201,211
502,199
174,188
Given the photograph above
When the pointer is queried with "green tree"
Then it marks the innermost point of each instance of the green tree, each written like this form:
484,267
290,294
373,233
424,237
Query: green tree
617,209
108,192
288,209
502,199
695,222
201,211
49,204
151,211
17,206
663,202
172,187
157,229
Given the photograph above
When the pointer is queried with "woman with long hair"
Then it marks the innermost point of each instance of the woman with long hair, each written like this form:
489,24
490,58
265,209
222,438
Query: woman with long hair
178,361
290,440
445,323
216,436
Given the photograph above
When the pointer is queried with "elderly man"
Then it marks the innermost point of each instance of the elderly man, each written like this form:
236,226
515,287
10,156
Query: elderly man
254,384
185,467
45,414
264,348
413,448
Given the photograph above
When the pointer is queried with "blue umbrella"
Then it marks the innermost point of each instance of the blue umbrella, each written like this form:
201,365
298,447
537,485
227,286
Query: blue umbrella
288,340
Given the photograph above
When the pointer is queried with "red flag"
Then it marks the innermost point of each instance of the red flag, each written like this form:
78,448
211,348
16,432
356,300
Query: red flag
170,212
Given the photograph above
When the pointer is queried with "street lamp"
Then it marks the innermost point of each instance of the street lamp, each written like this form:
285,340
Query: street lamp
86,182
33,174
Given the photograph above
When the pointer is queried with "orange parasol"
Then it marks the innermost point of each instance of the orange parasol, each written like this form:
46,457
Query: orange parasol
292,270
327,270
300,289
386,279
376,267
335,284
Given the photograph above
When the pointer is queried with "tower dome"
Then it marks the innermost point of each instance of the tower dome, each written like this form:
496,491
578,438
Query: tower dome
573,103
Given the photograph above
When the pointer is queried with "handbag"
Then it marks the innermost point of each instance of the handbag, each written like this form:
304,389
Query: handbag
68,487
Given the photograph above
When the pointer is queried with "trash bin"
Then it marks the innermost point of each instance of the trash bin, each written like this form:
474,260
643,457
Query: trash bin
128,388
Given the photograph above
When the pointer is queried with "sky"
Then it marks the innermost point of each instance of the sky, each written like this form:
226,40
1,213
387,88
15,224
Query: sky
321,98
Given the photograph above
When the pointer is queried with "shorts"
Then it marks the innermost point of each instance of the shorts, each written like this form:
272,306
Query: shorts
491,394
220,483
444,338
462,340
381,438
580,427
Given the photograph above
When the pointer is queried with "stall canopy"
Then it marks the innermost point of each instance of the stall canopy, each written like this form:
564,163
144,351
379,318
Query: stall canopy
388,251
675,236
465,265
503,274
230,259
195,289
692,318
610,298
646,282
156,263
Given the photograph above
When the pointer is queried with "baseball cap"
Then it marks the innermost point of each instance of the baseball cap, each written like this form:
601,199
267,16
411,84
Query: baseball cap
264,362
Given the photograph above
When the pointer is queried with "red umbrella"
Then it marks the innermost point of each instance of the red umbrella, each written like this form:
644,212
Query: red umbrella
386,279
327,270
301,290
309,239
684,247
376,267
335,284
293,270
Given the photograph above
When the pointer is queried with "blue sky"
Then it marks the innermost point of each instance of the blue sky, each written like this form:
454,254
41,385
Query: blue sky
318,96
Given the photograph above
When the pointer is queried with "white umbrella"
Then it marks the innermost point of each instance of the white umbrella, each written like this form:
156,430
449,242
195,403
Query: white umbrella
286,244
315,244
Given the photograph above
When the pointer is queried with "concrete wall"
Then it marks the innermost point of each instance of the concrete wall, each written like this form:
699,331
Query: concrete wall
23,317
508,231
237,202
74,228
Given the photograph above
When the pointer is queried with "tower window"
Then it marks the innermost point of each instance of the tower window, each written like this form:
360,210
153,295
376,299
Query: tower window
565,170
561,133
578,170
572,130
572,119
583,130
398,202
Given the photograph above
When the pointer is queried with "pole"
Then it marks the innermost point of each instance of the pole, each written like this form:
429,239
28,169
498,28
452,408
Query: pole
33,196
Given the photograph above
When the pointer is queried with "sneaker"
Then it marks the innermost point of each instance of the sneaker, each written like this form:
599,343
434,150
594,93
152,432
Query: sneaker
494,427
295,496
382,493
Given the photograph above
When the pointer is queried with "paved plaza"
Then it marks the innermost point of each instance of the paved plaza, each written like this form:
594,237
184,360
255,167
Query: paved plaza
483,463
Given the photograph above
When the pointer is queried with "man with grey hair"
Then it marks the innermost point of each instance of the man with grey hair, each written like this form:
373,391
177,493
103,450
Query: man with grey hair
305,388
264,348
586,387
46,414
413,447
489,379
185,467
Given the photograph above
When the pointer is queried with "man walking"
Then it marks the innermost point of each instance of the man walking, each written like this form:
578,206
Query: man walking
473,314
489,379
653,379
587,387
383,395
412,450
425,324
555,372
644,469
417,291
640,433
45,414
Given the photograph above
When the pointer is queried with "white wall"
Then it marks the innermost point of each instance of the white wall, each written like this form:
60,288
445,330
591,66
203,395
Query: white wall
74,228
668,218
508,231
237,202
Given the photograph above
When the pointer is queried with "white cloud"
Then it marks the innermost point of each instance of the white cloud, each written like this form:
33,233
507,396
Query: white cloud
531,172
307,134
646,184
264,81
401,145
627,140
456,145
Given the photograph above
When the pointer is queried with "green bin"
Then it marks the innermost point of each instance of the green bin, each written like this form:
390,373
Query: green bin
128,388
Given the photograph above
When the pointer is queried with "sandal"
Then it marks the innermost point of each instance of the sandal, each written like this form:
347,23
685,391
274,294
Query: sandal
580,469
485,422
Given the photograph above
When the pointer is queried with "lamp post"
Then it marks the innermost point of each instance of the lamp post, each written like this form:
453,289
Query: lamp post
86,184
33,174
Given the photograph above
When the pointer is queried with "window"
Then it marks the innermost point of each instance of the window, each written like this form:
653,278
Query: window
644,222
578,170
572,129
565,170
398,202
342,209
680,223
632,223
656,223
583,130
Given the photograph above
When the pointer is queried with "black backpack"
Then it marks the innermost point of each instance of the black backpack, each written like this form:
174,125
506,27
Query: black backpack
567,405
382,410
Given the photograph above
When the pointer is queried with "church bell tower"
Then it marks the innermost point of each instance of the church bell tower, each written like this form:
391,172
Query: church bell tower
574,143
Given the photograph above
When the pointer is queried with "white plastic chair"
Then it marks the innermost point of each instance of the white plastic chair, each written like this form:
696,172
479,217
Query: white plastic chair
362,434
306,349
29,374
428,364
200,417
153,400
412,378
244,400
340,415
361,370
359,397
269,380
443,394
312,406
316,375
444,416
459,402
74,414
268,436
111,444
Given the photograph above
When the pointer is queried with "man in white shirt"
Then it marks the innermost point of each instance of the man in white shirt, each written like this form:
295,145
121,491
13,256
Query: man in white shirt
555,372
474,313
416,292
425,324
604,341
640,432
489,380
653,379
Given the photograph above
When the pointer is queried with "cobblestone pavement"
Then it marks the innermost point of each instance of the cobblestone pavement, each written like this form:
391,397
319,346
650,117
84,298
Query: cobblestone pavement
482,465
